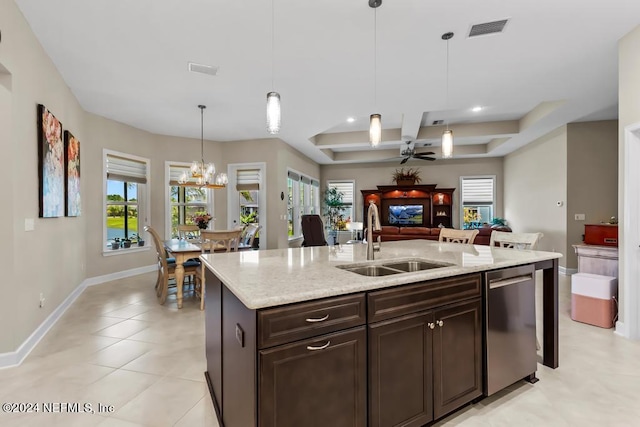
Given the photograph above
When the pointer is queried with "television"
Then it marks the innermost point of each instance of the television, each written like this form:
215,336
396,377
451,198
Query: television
405,214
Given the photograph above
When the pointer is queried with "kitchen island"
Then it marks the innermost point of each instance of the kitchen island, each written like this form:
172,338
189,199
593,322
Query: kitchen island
297,337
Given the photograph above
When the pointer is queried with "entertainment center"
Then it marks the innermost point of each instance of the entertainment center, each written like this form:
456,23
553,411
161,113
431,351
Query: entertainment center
411,205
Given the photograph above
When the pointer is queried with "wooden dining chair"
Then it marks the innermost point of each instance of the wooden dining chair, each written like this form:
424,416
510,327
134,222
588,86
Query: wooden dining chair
166,269
247,236
515,240
214,241
457,236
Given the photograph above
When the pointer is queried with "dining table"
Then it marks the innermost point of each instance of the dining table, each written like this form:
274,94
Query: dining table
181,250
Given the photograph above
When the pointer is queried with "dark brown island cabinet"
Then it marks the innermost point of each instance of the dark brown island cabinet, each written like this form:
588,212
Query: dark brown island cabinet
401,356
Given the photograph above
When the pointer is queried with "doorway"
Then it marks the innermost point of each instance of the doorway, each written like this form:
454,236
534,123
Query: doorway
247,201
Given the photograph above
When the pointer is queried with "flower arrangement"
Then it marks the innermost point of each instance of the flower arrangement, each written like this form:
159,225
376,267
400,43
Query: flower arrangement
202,220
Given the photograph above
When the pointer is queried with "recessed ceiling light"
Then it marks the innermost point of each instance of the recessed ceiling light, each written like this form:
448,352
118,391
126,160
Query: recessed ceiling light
476,109
351,119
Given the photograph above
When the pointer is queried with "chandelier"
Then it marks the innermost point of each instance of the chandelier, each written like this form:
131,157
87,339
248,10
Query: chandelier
203,174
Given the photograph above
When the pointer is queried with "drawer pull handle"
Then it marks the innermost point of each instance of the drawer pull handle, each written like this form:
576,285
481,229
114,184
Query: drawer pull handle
431,325
440,323
322,347
319,319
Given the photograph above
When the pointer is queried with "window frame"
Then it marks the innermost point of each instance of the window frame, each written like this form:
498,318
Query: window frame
310,202
491,204
351,205
143,202
209,205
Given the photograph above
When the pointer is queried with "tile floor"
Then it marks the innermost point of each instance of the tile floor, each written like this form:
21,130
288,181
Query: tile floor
116,346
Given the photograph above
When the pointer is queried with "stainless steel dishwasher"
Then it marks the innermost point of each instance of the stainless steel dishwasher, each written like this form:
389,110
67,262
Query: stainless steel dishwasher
510,353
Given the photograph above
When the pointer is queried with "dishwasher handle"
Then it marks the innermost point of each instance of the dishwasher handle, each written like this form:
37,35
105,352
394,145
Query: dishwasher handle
493,284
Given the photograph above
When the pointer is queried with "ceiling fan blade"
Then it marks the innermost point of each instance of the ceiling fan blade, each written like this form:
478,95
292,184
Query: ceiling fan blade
426,158
404,161
425,153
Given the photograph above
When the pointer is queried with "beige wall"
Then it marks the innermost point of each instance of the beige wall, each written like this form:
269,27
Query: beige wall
628,114
50,259
443,173
592,178
535,178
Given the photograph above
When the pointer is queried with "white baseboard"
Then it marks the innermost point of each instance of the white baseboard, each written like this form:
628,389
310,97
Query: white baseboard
621,330
15,358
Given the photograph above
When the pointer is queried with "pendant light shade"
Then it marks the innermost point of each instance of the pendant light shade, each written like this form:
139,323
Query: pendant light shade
375,130
447,135
273,112
375,120
447,144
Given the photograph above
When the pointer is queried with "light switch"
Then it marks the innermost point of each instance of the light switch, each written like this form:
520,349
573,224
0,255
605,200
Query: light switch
29,224
579,217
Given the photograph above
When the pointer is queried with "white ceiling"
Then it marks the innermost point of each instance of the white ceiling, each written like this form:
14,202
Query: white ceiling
556,62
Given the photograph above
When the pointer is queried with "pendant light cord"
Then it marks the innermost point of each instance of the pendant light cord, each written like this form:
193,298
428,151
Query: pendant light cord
375,58
447,86
202,107
273,37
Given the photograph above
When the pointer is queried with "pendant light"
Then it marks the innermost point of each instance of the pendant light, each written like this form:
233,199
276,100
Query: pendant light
447,135
375,120
273,97
204,173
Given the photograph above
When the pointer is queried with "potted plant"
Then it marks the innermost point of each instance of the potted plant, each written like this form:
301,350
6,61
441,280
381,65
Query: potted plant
333,211
126,243
408,176
116,243
138,239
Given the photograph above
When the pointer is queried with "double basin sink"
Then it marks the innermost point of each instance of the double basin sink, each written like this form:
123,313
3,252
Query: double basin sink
392,267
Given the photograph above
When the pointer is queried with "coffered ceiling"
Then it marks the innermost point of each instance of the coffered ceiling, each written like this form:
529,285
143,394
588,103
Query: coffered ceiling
554,63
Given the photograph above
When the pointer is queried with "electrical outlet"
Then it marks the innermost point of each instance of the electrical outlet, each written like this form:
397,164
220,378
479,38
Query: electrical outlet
239,335
41,300
579,217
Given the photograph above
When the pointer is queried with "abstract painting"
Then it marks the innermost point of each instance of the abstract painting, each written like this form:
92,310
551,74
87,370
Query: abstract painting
72,168
50,164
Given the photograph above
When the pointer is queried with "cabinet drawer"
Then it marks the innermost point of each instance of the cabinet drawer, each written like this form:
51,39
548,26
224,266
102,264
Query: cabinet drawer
408,299
286,324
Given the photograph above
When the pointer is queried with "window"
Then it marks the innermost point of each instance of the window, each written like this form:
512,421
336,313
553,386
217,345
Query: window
478,199
304,198
347,190
185,202
248,187
125,197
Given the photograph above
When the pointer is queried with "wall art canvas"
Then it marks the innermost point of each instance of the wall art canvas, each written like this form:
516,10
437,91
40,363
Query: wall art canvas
50,164
72,168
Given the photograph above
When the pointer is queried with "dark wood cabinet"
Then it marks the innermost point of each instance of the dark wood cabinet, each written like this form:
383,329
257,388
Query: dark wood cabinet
436,204
457,356
317,382
400,373
426,364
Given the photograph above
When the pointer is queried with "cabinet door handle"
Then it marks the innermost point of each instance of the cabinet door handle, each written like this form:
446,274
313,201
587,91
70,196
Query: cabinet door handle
440,323
318,319
431,325
321,347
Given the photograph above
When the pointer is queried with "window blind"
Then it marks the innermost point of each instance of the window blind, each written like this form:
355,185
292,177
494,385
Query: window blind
346,188
248,180
125,169
477,190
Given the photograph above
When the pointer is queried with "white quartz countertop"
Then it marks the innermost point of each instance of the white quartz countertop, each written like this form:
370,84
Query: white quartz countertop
268,278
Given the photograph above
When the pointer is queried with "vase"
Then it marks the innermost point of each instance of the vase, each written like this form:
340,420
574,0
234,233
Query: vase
202,226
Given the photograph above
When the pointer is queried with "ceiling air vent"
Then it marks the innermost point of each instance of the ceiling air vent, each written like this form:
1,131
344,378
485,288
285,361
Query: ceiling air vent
437,122
488,28
204,69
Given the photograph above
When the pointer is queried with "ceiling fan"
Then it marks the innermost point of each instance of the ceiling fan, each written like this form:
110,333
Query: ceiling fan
409,152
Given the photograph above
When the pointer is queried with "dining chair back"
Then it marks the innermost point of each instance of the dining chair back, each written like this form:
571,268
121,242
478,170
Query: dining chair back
214,241
515,240
312,231
188,231
247,236
457,236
